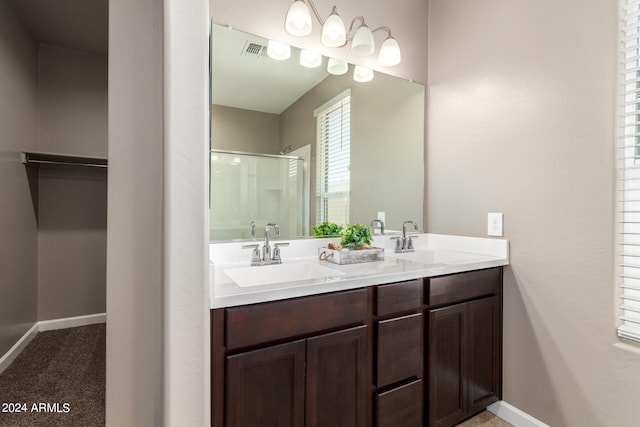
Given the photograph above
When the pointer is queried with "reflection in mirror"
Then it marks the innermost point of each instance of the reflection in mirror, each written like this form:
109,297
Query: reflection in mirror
266,106
256,189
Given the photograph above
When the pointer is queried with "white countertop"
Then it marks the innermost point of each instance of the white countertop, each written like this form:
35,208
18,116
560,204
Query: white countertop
435,255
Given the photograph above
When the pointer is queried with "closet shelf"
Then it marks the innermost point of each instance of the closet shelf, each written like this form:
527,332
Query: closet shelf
34,157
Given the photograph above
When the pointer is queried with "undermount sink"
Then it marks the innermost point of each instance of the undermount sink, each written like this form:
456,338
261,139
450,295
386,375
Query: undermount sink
280,273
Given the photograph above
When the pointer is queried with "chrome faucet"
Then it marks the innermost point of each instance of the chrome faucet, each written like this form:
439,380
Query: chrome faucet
404,243
266,249
266,258
379,221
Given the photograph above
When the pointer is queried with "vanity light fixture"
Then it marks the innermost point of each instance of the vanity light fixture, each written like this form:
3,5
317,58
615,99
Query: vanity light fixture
362,74
334,33
310,59
337,67
298,21
278,51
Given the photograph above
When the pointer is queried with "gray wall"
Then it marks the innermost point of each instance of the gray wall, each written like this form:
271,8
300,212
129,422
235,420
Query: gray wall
236,129
73,101
135,213
522,121
18,228
71,242
387,139
72,214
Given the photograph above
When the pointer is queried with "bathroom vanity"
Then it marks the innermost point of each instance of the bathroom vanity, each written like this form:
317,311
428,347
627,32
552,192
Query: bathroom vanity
407,344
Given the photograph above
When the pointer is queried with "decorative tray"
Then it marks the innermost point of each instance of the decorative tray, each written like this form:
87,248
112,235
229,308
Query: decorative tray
351,256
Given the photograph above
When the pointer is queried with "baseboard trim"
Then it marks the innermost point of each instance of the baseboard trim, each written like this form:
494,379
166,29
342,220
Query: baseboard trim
71,322
513,415
48,325
14,351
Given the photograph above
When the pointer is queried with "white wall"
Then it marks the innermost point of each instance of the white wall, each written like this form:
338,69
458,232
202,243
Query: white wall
157,290
18,227
186,228
522,121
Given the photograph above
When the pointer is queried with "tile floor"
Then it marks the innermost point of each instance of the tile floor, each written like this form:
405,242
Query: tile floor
485,419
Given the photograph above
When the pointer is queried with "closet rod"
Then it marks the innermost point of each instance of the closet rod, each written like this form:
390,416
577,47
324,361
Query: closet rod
29,157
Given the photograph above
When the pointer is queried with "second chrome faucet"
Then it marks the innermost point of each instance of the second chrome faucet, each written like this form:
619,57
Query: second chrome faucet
267,257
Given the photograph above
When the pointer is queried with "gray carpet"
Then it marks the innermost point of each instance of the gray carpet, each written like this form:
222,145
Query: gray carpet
59,379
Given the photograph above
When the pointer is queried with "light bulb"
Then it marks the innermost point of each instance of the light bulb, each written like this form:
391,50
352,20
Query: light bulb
278,51
362,43
298,21
362,74
337,67
333,32
310,59
389,53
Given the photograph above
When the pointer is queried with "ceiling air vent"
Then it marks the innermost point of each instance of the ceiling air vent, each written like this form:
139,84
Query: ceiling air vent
254,50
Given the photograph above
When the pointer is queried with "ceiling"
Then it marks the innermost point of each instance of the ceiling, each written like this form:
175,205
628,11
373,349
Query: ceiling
257,82
74,24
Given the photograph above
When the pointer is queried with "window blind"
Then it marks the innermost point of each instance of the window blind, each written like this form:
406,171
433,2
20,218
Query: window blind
629,174
334,154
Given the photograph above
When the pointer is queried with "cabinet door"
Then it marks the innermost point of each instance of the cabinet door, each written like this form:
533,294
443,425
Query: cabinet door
338,379
447,385
266,387
484,348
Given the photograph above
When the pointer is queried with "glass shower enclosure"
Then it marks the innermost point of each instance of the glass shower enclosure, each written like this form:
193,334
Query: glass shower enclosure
264,188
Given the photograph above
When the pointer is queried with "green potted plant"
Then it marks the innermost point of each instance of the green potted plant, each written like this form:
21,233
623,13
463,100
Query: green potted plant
356,236
327,229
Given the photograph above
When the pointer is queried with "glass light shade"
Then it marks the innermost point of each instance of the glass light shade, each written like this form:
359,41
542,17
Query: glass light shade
362,74
389,53
278,51
362,43
337,67
310,59
333,32
298,21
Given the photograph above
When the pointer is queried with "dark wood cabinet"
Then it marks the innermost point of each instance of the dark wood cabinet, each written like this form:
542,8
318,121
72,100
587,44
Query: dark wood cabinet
464,347
399,354
424,352
447,385
266,387
338,378
320,375
401,406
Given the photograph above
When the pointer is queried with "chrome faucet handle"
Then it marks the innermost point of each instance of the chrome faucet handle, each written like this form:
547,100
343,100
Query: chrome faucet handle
255,254
276,251
398,240
252,230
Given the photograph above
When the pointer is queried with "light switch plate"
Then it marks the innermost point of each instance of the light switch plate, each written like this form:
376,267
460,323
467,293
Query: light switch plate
381,216
494,224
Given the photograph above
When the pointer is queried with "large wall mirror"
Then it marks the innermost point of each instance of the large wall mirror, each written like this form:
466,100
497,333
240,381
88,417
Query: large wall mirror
268,118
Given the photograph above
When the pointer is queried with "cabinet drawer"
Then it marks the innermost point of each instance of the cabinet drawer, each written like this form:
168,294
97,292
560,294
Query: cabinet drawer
262,323
399,349
398,297
401,406
463,286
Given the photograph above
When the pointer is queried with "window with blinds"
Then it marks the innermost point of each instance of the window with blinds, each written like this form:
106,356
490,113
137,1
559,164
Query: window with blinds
333,126
629,174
